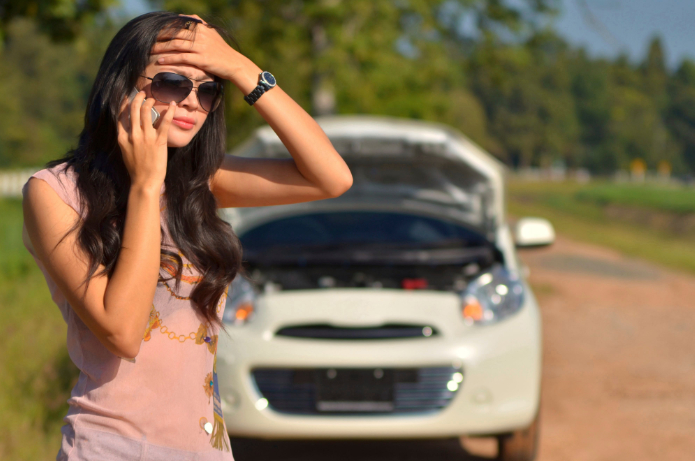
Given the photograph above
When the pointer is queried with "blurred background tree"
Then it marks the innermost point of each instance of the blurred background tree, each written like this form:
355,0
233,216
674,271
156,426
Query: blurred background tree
44,88
62,19
393,57
494,69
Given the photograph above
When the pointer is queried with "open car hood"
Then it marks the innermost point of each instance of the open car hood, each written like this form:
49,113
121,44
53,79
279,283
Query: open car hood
412,165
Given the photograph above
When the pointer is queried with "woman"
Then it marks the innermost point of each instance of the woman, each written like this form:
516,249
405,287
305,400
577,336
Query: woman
126,232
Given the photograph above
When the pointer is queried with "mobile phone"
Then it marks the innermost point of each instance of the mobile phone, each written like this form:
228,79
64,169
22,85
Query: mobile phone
155,114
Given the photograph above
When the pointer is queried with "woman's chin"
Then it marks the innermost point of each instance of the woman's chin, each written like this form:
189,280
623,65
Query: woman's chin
178,141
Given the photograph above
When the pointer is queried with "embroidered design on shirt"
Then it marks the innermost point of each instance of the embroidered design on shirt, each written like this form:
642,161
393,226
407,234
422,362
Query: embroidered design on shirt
170,269
174,336
202,337
163,329
219,438
212,345
205,425
171,292
152,323
201,334
223,299
209,386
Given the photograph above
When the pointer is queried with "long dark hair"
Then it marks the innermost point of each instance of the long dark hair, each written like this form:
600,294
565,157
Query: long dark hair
103,181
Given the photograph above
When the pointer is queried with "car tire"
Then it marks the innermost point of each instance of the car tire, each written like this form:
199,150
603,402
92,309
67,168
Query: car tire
521,445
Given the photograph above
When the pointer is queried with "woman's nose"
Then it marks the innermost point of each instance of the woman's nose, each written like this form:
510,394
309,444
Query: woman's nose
191,101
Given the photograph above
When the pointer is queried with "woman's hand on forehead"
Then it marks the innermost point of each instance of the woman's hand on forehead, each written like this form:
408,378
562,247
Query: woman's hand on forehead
200,47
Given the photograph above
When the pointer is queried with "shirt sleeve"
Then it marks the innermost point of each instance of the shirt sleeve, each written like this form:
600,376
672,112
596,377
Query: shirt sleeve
62,182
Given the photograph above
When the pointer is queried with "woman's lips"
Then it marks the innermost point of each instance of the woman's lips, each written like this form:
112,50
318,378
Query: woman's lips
184,122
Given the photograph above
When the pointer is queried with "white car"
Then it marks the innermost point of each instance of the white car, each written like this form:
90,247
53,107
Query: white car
397,310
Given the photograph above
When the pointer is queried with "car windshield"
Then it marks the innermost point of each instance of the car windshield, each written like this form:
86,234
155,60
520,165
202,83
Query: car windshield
357,229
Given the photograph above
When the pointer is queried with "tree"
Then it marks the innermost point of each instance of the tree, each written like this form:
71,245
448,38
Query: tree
680,114
363,56
62,19
487,67
636,126
43,100
526,90
655,74
590,90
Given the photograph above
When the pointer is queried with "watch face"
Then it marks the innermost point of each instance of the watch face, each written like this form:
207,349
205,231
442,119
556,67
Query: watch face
268,77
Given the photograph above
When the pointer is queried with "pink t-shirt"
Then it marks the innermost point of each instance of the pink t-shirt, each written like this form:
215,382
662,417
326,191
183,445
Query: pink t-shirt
163,405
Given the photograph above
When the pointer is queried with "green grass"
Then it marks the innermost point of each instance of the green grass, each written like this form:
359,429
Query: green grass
573,214
660,198
36,374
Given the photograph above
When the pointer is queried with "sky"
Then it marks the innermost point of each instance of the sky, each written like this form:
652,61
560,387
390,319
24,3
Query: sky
610,27
628,25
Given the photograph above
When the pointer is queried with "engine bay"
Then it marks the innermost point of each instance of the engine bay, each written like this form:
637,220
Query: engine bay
449,277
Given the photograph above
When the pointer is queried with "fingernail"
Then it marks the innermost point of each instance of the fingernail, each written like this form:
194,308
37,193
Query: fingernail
160,60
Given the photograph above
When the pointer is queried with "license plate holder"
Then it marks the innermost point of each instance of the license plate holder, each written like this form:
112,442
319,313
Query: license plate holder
354,390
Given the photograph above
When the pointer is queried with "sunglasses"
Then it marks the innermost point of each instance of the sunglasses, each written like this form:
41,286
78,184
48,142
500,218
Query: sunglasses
168,86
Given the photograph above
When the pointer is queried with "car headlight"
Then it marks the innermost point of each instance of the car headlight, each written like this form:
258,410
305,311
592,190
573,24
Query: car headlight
492,296
241,302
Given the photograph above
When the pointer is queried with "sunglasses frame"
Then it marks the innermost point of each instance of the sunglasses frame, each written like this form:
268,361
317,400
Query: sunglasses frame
193,88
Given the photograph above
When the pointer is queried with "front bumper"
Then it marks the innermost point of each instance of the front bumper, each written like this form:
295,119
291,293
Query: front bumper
501,363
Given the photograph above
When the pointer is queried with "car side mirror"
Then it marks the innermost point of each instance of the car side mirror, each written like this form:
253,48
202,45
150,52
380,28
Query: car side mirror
533,232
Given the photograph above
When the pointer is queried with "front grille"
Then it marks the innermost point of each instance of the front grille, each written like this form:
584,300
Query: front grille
389,331
415,390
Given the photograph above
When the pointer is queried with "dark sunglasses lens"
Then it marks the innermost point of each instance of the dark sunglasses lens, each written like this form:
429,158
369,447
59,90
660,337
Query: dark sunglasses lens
209,95
167,87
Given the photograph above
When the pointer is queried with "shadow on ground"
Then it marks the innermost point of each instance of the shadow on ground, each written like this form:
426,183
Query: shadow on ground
352,450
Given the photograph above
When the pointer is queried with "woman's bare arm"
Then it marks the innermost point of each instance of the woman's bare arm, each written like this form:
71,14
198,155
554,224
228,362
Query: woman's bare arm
315,171
116,310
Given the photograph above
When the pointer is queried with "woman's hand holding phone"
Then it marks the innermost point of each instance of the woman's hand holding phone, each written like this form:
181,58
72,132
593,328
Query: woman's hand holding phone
131,96
144,147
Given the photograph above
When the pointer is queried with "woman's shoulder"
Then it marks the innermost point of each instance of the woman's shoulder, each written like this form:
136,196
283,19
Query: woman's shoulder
62,178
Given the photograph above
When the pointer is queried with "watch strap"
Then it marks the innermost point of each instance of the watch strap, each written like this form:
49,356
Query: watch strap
257,92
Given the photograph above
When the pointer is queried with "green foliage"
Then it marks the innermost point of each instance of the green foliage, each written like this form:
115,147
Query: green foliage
655,197
677,200
61,19
44,88
680,112
573,214
654,72
360,56
505,79
36,375
527,95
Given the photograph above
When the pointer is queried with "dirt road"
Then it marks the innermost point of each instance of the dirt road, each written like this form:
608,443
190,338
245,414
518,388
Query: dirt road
619,368
619,352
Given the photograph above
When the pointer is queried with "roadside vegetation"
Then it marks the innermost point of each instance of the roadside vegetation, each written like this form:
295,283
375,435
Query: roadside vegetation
662,198
654,222
36,374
